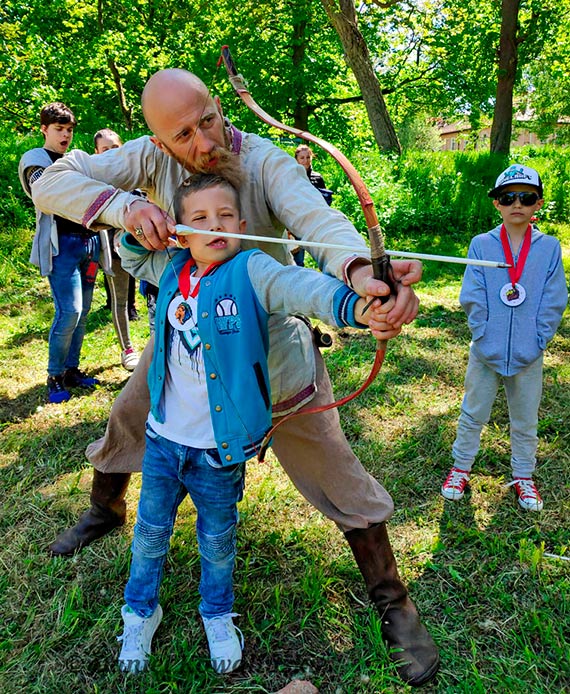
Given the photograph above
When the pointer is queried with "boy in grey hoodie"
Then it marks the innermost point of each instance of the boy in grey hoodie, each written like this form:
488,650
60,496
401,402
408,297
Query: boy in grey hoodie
512,315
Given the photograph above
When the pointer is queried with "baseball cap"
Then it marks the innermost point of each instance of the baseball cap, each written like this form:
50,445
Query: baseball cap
517,173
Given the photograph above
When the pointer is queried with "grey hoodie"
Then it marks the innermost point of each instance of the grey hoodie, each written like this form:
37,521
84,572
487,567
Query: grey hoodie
508,338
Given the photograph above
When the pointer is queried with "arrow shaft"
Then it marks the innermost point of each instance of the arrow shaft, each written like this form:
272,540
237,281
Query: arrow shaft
183,230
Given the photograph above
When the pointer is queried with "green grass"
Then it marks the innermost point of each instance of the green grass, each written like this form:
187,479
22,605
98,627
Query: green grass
498,607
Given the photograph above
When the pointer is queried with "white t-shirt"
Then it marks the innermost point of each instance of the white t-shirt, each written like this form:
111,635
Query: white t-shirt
187,417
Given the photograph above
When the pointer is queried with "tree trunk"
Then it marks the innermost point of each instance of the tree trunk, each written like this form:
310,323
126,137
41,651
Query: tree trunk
126,110
343,18
301,108
501,130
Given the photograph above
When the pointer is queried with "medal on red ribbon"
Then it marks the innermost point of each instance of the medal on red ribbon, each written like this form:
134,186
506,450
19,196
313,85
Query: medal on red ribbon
513,293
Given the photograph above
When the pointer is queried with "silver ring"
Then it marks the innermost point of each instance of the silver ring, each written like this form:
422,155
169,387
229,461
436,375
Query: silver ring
139,233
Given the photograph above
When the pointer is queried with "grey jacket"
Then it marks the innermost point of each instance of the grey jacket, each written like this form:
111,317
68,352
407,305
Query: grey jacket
508,338
45,243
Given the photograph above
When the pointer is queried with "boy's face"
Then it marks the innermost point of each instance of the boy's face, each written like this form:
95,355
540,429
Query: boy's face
518,214
106,142
58,136
213,209
304,158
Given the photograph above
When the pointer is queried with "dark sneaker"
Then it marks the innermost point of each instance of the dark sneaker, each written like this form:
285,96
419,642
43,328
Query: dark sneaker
57,392
133,314
74,378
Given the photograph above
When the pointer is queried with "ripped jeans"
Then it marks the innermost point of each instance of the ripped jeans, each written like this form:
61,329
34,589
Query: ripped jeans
170,471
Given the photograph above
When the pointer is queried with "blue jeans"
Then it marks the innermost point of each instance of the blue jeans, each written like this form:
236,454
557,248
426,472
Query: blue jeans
170,471
72,281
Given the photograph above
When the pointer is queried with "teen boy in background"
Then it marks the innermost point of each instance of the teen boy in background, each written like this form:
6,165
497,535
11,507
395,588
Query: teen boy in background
68,254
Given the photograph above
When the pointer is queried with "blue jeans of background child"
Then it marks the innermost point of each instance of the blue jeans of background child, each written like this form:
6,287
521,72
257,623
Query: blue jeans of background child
170,471
523,391
72,281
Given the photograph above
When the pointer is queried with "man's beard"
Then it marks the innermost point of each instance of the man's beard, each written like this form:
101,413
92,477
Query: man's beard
228,165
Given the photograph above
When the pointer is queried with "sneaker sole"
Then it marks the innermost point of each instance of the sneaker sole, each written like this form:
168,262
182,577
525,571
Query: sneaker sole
526,507
452,496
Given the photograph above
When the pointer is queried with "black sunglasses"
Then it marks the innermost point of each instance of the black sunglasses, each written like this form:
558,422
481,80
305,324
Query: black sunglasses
526,199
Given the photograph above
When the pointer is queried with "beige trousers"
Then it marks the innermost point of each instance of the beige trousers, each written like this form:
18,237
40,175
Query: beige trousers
312,450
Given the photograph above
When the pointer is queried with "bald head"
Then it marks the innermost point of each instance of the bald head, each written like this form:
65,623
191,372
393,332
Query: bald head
169,92
187,122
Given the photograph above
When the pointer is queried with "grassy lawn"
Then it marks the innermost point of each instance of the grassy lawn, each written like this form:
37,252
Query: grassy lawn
480,570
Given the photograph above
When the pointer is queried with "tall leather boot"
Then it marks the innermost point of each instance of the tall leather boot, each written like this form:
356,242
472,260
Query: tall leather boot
108,510
410,646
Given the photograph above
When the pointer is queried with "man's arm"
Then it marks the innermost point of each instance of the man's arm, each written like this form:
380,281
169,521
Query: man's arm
92,190
301,208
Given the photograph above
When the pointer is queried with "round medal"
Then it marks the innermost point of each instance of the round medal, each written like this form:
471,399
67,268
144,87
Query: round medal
513,296
180,314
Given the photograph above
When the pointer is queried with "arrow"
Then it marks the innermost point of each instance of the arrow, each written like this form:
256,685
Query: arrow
183,230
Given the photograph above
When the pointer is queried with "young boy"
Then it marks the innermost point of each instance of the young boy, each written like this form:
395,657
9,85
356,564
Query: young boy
68,254
120,285
512,315
210,401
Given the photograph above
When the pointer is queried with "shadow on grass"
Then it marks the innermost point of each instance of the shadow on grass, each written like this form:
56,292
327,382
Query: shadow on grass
30,401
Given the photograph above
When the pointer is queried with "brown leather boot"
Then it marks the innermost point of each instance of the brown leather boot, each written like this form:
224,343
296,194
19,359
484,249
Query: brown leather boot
108,510
410,646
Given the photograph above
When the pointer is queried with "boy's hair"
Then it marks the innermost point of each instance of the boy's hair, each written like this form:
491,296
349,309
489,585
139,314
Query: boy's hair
57,113
197,182
304,148
105,132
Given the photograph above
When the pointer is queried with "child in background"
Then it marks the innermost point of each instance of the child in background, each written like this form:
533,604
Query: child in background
512,315
119,283
210,401
68,254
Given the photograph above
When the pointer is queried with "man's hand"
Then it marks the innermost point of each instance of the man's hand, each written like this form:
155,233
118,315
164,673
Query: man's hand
375,317
156,225
406,273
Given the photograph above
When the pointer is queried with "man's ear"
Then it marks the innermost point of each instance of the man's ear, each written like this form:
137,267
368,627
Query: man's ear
157,143
242,226
43,129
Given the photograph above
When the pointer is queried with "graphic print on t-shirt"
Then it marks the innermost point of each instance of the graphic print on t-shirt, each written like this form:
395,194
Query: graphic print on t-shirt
184,343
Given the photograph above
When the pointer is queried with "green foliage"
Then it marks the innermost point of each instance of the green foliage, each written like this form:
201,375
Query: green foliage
490,582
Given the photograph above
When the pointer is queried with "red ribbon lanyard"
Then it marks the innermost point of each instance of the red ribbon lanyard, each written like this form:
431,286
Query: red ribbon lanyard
516,269
184,280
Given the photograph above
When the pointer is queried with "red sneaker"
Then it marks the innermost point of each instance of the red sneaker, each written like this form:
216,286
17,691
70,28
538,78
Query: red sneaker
527,494
454,486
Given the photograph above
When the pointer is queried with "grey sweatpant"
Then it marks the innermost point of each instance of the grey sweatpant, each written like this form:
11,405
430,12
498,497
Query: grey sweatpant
523,391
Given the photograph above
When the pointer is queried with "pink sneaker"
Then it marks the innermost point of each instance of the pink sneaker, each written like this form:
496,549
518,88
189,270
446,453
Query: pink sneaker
527,494
454,486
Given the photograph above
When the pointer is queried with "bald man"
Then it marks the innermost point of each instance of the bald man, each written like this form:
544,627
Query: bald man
190,133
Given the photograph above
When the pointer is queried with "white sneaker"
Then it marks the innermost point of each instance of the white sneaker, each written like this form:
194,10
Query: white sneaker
527,494
129,359
225,645
136,638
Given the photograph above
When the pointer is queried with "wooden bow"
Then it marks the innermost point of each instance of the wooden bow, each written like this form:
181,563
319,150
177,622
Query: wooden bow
380,262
